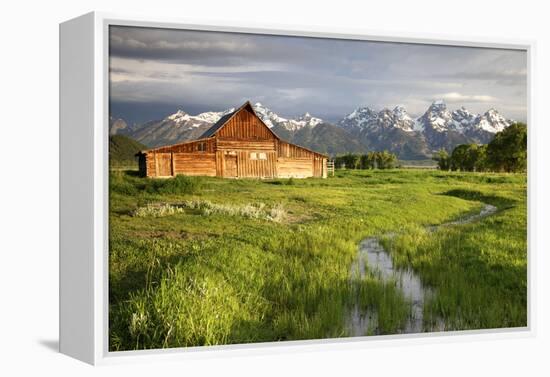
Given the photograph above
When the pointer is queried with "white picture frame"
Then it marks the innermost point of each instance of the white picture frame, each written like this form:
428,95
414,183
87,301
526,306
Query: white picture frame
84,134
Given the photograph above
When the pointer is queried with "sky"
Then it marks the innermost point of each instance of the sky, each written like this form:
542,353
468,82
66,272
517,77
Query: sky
154,72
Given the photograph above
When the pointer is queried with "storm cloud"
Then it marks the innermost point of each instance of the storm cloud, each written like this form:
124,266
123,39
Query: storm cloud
205,70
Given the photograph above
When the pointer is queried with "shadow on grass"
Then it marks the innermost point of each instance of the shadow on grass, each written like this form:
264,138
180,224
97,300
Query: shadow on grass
479,196
133,173
281,182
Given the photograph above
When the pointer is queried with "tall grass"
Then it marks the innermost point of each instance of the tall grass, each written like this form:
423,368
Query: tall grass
180,184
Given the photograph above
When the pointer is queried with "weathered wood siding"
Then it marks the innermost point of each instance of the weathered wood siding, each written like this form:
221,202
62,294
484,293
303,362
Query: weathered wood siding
287,150
230,167
298,162
256,168
299,167
320,167
151,165
243,136
197,163
163,164
208,145
252,145
190,158
245,126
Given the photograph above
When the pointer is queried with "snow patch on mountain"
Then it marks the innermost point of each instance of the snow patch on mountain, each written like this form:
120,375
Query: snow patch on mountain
271,119
267,116
491,121
180,117
463,118
438,118
367,118
306,120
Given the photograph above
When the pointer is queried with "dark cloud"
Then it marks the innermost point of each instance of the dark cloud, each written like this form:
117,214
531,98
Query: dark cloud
295,74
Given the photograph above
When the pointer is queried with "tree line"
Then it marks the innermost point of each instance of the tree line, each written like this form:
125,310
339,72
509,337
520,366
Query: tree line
507,152
370,160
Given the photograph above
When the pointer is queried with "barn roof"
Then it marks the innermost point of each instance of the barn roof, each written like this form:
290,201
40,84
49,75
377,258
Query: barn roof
155,149
216,126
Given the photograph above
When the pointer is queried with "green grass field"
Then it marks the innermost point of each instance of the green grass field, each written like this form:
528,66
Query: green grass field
205,261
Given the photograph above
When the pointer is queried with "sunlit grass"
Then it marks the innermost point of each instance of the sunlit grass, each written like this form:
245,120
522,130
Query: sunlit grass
195,277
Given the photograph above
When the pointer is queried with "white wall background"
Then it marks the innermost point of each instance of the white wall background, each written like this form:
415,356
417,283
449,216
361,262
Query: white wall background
29,186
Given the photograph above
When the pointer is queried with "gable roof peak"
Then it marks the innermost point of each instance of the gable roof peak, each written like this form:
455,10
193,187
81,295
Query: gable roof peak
227,117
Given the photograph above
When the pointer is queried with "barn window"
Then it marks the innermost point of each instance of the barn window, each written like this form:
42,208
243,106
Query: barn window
253,156
201,147
262,156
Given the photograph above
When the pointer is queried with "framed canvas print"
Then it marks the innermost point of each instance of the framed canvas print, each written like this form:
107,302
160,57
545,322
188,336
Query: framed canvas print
227,188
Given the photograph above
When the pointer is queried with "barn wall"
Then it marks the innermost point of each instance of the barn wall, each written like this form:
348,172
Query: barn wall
251,145
191,158
219,163
320,167
298,167
163,164
287,150
298,162
197,163
248,168
150,165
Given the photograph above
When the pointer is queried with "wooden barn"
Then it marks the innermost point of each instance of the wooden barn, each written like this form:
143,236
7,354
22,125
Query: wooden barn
239,145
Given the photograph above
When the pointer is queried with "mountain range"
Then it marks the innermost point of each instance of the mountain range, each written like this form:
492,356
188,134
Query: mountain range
362,130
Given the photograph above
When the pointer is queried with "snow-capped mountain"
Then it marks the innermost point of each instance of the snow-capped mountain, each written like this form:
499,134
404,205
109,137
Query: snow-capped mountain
440,129
359,118
305,120
211,117
402,119
181,126
463,118
309,131
271,119
363,129
491,121
267,116
176,127
443,128
437,118
437,128
392,130
440,119
366,118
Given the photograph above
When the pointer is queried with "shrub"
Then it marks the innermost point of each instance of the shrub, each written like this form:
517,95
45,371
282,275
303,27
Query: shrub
277,213
253,211
180,184
158,210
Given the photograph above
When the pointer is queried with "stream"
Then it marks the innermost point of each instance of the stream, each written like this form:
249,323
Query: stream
371,255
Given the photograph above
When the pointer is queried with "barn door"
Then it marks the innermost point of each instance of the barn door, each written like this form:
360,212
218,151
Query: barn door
164,164
230,170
